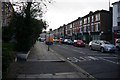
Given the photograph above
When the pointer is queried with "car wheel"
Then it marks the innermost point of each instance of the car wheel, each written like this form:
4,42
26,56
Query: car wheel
90,47
102,50
118,48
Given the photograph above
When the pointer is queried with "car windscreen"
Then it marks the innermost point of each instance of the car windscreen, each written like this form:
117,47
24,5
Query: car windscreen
106,42
80,41
118,41
69,40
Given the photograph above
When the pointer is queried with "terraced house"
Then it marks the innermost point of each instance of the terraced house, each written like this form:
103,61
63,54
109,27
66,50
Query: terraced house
93,26
116,21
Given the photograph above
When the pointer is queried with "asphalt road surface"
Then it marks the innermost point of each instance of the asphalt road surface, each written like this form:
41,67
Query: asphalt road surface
99,65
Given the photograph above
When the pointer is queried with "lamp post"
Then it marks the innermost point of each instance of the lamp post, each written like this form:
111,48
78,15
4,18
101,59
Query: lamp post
101,34
89,36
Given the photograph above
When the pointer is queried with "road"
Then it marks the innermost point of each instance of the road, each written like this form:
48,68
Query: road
99,65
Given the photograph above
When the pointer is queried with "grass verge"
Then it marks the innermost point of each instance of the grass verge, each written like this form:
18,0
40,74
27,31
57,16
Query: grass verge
8,56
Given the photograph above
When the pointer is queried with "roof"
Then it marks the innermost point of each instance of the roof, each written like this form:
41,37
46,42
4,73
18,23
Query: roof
115,2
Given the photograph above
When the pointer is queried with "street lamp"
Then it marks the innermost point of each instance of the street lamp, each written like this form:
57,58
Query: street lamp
101,34
89,36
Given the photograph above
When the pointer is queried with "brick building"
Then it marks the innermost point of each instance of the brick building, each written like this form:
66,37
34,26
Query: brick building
116,21
93,26
7,10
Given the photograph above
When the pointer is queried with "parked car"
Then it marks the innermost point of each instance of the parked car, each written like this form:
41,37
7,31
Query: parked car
79,43
69,41
117,44
62,41
56,40
103,46
39,38
43,39
65,41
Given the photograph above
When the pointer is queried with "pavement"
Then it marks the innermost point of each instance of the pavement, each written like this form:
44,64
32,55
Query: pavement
43,64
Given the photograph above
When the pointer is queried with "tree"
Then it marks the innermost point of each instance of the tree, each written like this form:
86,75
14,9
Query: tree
26,27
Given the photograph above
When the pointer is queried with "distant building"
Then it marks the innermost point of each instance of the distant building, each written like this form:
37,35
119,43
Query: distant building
0,14
7,10
116,20
93,26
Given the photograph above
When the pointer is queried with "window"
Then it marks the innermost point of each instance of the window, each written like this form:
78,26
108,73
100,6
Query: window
81,22
118,7
84,28
91,28
80,30
96,27
73,30
73,24
66,27
88,19
85,20
70,25
2,6
97,17
88,28
92,18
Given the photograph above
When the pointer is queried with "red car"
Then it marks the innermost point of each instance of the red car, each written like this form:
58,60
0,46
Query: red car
79,43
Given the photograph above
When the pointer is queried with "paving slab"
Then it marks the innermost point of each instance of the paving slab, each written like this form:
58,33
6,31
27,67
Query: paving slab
40,52
43,64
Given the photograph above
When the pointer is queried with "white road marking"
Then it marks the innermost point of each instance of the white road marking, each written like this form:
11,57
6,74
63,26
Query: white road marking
88,58
55,75
93,58
78,51
82,59
97,54
110,57
109,60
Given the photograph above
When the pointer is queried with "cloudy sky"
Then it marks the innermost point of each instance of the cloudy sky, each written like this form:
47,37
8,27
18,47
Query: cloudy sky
64,11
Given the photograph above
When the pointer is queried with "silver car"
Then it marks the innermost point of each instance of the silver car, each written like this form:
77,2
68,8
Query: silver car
103,46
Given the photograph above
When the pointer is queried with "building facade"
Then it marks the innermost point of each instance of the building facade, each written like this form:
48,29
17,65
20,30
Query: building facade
0,14
7,10
93,26
116,21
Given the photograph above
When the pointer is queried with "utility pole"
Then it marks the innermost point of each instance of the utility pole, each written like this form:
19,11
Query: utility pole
109,5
